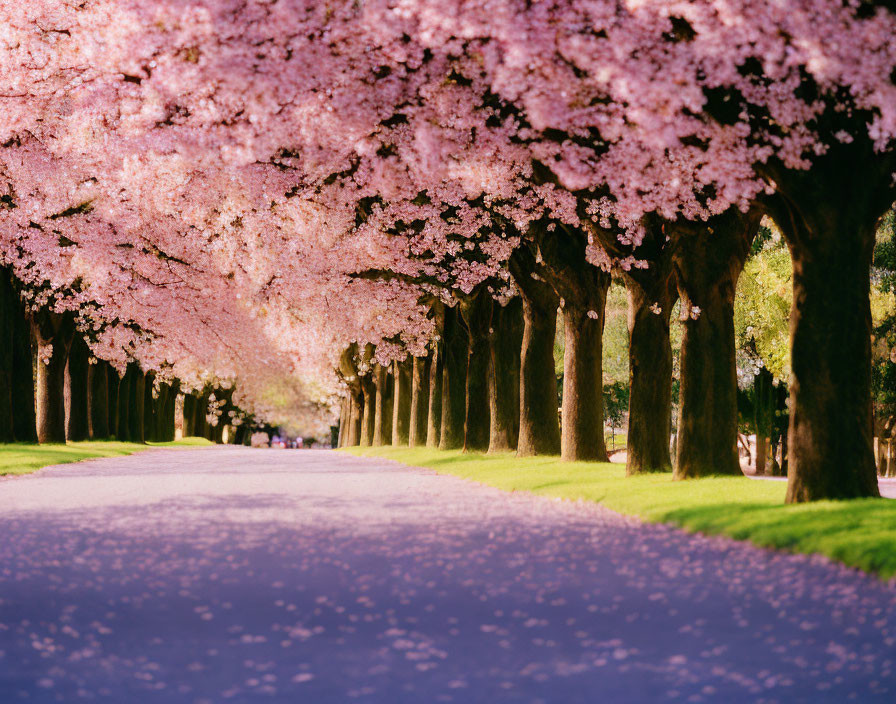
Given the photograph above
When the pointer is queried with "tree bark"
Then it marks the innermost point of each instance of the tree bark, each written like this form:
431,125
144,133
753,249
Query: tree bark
168,428
53,333
829,216
436,376
505,343
368,420
401,407
476,314
136,404
539,425
124,405
149,408
356,410
76,402
382,431
708,258
582,289
454,381
113,381
8,311
98,400
650,301
23,392
419,401
189,415
344,420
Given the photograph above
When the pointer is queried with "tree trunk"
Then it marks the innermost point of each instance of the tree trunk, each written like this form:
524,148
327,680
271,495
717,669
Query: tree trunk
168,427
200,411
829,216
23,399
77,408
708,259
505,342
419,401
9,309
124,404
582,288
98,400
112,383
136,404
160,407
476,314
539,425
650,302
149,408
53,333
830,329
582,424
382,434
344,420
434,417
454,381
189,416
356,400
401,410
368,419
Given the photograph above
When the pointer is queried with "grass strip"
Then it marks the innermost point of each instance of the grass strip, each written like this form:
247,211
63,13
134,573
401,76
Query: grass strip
24,458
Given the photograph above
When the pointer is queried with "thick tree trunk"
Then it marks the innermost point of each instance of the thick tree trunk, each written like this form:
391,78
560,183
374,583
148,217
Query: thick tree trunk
168,425
650,302
149,408
77,408
434,417
583,402
368,419
829,217
401,408
98,400
382,431
9,309
53,333
113,381
708,259
476,315
124,404
505,342
189,416
419,402
160,406
539,425
136,403
582,288
830,325
454,381
344,420
356,410
23,400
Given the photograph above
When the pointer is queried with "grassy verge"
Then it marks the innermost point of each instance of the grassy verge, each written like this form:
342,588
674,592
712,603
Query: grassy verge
24,458
860,533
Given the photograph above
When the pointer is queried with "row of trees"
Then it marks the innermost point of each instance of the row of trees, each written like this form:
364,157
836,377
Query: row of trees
487,380
222,180
53,389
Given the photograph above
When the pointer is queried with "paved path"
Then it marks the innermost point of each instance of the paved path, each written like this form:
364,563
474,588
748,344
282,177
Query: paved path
238,575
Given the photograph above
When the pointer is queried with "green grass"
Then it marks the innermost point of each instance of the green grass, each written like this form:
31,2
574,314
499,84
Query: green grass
860,533
24,458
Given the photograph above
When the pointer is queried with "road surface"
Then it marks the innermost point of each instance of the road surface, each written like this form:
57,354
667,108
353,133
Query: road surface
237,575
